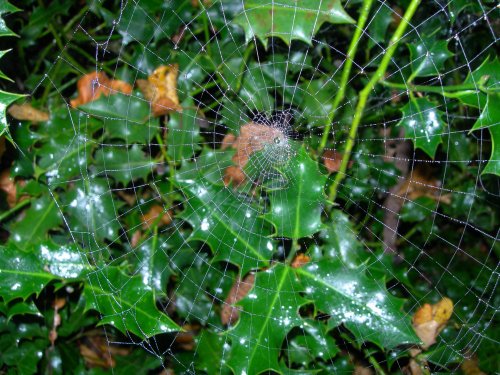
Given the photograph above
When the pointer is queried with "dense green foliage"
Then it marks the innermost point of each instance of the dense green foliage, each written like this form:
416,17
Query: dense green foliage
81,268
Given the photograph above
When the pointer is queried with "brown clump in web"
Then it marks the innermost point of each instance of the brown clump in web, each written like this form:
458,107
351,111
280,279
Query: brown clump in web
253,137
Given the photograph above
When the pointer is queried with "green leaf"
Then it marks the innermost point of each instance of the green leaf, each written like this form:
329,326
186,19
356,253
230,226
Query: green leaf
126,303
18,308
21,274
314,343
91,211
317,100
227,223
42,216
270,311
289,20
486,75
490,119
422,123
379,24
6,99
428,57
122,163
65,145
129,131
209,347
296,210
183,133
362,304
118,106
6,8
341,242
2,75
153,263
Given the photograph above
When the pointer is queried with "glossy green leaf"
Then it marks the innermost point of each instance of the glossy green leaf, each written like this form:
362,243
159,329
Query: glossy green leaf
428,57
183,133
312,344
21,273
288,20
2,75
490,119
486,76
91,211
318,100
423,124
227,223
118,106
126,303
18,308
362,304
341,242
6,99
6,8
129,131
153,263
122,163
296,210
379,24
42,215
270,311
209,345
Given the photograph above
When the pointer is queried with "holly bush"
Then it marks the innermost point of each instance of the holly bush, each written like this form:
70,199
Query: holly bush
249,187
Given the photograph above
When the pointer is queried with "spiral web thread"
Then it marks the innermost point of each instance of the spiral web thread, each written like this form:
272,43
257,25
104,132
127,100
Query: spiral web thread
292,126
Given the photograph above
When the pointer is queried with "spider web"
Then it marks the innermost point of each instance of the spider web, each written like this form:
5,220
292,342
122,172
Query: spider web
286,91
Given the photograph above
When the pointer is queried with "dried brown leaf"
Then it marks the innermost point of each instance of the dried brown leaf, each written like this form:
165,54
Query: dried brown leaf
229,313
26,112
98,352
429,320
471,367
300,260
152,215
161,89
332,160
8,185
92,85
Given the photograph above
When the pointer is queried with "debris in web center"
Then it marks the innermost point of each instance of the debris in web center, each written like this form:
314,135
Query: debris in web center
92,85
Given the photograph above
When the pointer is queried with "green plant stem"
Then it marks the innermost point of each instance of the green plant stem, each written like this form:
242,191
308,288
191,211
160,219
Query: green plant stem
365,92
378,369
443,90
346,72
17,207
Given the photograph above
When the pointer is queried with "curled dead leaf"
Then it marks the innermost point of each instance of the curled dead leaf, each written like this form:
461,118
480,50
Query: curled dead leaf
151,217
471,367
300,260
253,137
161,89
92,85
98,352
229,313
332,160
420,184
26,112
8,185
429,320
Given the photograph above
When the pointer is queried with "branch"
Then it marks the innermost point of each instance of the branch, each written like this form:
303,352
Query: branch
346,72
365,92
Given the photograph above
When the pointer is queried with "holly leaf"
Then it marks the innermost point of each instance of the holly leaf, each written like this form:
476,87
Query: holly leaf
153,263
227,223
428,57
42,216
289,20
91,211
6,99
183,133
490,119
362,304
119,106
122,163
270,311
296,210
22,274
6,8
126,303
26,272
486,75
18,308
423,124
318,100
